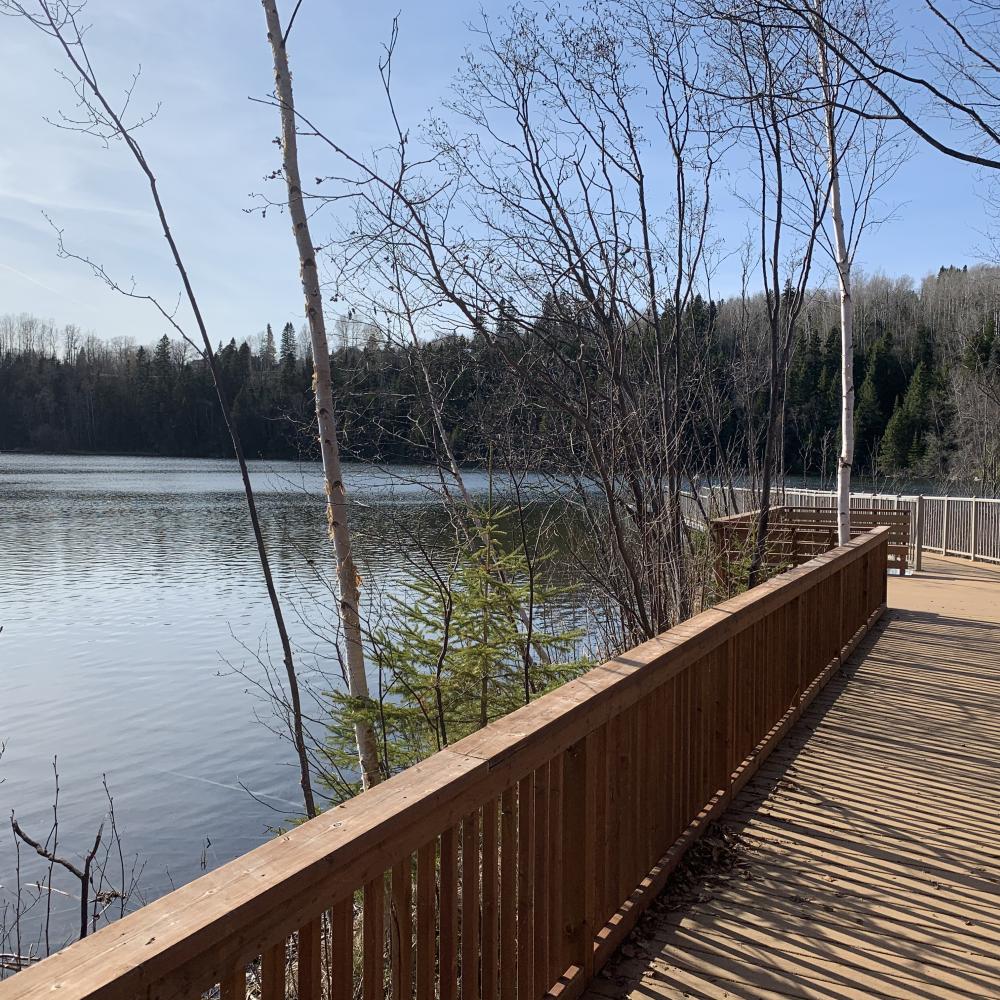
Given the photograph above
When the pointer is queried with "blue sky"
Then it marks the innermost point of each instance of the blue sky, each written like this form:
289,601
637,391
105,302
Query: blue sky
211,149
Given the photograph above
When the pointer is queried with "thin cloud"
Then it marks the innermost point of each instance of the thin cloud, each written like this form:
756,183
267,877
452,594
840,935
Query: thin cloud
35,281
55,204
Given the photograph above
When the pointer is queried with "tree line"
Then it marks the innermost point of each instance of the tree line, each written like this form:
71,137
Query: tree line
927,364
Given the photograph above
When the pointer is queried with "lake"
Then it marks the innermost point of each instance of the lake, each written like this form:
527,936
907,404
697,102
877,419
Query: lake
129,593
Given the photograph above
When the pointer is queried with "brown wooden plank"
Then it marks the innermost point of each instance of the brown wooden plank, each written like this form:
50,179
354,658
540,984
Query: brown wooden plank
373,940
310,954
540,872
595,834
342,949
234,986
525,887
613,836
401,938
470,907
577,833
554,863
657,722
491,908
448,914
273,973
426,921
509,892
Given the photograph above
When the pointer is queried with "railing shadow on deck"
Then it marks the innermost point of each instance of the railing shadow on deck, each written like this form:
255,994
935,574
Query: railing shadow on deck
836,846
513,863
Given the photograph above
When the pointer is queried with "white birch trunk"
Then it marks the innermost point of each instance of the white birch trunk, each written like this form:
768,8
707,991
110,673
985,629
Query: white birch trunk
843,262
336,498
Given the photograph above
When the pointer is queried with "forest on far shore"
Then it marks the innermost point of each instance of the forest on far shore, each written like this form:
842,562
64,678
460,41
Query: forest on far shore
926,368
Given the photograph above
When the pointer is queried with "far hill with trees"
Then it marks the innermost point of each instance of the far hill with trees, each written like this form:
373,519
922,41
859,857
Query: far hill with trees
927,368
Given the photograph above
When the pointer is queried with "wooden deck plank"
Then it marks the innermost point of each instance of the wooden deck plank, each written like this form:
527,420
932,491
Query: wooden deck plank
868,862
862,898
869,960
798,927
824,913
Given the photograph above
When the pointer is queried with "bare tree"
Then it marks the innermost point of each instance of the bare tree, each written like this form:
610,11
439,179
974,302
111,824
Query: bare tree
762,64
535,224
336,496
946,91
106,886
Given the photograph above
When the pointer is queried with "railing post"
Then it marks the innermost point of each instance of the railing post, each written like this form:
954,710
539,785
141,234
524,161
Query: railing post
972,554
840,616
579,793
944,529
918,530
883,560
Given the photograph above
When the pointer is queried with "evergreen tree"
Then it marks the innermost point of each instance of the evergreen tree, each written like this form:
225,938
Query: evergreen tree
453,657
290,381
289,353
164,439
269,355
869,422
906,434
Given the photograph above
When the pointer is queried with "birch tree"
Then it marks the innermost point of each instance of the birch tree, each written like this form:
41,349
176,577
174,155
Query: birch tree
842,261
861,145
336,495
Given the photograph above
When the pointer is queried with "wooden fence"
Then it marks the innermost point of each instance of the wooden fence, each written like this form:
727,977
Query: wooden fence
511,864
968,527
797,534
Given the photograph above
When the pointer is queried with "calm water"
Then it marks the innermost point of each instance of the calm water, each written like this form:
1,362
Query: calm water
129,589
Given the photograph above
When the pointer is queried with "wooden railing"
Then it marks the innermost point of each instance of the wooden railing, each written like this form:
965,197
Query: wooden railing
954,526
513,863
795,535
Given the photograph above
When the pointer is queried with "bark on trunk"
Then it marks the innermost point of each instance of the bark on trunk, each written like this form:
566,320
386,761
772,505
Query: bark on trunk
336,499
843,262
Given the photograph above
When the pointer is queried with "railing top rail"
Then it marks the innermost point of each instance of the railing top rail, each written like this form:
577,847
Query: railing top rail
907,497
854,494
194,934
744,516
889,512
957,499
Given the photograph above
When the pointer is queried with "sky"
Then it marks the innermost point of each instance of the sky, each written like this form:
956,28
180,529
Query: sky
211,148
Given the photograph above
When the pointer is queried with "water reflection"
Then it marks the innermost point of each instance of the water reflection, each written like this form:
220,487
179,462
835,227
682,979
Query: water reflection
126,585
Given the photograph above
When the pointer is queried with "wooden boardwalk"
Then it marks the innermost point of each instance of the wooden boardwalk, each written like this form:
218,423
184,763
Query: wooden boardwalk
864,857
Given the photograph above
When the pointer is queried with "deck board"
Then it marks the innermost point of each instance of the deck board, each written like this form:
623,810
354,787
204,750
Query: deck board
868,863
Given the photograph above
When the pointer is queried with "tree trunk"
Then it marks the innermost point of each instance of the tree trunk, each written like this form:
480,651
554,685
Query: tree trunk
759,557
336,498
843,262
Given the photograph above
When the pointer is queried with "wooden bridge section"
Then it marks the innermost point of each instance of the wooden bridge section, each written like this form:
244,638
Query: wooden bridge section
863,859
515,863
